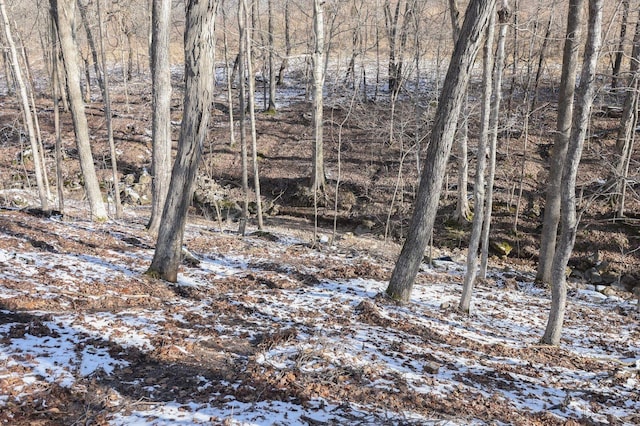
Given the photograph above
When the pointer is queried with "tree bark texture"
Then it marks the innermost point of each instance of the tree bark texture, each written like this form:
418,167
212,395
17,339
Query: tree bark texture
272,71
479,187
199,49
242,102
503,17
628,119
441,139
563,131
318,177
63,13
569,221
38,159
620,53
161,125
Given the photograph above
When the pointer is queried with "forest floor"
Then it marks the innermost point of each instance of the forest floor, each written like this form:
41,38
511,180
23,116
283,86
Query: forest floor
279,328
269,329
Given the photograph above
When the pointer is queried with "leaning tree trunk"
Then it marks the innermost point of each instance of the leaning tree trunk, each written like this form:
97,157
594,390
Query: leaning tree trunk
199,49
479,187
63,13
563,131
569,221
161,126
441,139
38,163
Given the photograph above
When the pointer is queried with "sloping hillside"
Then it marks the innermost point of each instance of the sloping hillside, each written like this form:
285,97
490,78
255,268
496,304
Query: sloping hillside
269,329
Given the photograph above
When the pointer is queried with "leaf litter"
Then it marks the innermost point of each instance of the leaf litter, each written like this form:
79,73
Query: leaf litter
268,329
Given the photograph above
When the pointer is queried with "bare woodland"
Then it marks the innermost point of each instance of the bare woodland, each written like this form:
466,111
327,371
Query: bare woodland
497,135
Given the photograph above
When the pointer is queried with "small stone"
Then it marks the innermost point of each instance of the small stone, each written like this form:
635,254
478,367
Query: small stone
431,367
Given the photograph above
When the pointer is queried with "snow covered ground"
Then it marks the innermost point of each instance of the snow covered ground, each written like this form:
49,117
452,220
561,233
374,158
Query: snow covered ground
280,332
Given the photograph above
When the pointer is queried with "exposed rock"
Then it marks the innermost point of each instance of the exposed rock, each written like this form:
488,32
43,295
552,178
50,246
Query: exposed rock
431,367
502,248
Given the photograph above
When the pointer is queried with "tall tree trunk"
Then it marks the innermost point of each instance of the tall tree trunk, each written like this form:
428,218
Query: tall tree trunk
617,63
561,141
242,103
199,50
392,20
92,45
107,112
55,94
38,163
63,12
627,121
584,100
252,121
479,187
287,45
161,127
441,139
463,211
503,16
317,173
232,131
272,71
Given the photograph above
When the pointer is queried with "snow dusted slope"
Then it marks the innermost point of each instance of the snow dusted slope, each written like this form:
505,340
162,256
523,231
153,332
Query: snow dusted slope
269,332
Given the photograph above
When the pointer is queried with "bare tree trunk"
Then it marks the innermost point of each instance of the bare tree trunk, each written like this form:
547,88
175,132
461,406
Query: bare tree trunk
441,139
242,95
63,12
232,132
87,80
36,122
317,173
272,71
252,120
161,127
92,45
620,53
107,112
38,163
129,35
199,49
584,101
454,13
624,172
463,211
561,141
56,116
543,51
503,16
626,130
287,45
479,187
